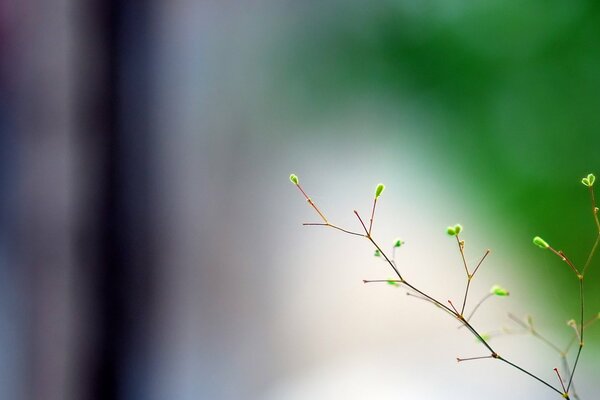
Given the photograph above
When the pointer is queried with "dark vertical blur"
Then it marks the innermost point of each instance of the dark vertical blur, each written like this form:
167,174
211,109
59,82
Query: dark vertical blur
76,258
118,244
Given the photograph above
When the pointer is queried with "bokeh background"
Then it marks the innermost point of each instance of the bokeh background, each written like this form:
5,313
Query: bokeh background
151,244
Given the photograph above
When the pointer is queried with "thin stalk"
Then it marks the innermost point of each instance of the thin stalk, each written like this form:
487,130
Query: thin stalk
462,310
595,246
334,227
562,384
469,276
372,215
487,296
565,365
472,358
313,205
532,375
462,254
481,261
581,333
536,334
563,257
362,223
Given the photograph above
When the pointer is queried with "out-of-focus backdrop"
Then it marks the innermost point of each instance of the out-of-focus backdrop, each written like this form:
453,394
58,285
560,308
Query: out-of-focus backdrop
151,244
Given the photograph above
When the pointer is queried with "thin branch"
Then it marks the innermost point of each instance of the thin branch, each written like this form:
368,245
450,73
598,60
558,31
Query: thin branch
595,246
481,261
416,296
382,280
560,380
591,255
565,365
312,203
362,223
487,296
372,215
531,375
462,310
334,227
454,308
581,333
530,328
563,257
595,209
461,247
473,358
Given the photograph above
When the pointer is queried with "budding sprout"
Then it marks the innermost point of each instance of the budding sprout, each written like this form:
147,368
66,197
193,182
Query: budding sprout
541,243
454,230
377,253
484,337
392,282
589,180
398,242
294,179
379,189
499,291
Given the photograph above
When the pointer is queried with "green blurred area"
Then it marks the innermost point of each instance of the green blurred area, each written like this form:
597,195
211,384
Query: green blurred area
511,89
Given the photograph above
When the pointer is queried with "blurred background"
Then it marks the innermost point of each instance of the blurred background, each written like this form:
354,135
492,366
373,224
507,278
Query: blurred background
151,244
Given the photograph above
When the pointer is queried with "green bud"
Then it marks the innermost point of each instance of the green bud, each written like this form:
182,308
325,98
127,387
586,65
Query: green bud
377,253
398,242
589,180
586,182
572,323
485,337
379,189
392,282
454,230
294,179
499,291
541,243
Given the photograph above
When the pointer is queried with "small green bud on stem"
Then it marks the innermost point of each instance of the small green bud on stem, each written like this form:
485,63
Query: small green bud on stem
541,243
294,179
499,291
589,180
379,189
454,230
377,253
398,242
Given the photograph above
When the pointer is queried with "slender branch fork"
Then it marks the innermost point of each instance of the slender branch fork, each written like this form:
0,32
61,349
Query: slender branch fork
454,313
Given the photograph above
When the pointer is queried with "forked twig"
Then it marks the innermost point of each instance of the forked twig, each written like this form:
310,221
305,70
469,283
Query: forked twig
459,316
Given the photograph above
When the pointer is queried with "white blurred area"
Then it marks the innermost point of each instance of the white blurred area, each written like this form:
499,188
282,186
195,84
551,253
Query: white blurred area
255,306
